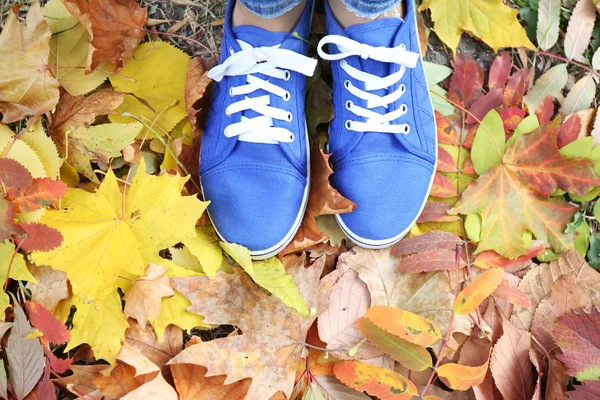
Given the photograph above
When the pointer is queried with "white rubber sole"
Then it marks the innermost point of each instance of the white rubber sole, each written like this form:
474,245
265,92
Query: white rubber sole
381,244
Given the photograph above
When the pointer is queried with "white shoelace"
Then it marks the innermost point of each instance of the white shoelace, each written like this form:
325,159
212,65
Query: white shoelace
375,122
273,62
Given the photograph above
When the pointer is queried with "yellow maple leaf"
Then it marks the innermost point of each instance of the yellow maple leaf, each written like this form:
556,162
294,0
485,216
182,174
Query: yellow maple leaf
491,20
174,311
156,75
69,51
105,234
206,249
100,325
18,271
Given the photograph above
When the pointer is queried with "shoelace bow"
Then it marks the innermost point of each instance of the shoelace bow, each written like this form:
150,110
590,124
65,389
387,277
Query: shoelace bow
374,121
273,62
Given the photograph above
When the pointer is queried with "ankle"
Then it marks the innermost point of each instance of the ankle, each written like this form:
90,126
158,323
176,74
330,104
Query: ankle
347,18
284,23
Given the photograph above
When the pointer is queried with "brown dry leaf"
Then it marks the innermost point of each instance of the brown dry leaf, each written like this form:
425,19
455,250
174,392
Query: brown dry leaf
51,287
271,343
116,27
537,283
158,388
26,85
511,367
556,381
119,381
144,300
565,296
322,200
81,379
410,292
193,384
146,342
196,82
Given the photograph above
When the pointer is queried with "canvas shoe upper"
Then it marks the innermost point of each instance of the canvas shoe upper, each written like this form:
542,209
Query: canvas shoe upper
383,138
254,152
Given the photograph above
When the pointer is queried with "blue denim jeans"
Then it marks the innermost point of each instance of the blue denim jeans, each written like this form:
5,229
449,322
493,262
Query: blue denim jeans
275,8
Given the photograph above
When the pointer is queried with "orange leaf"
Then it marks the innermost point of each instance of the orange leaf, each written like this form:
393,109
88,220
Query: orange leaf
192,384
432,398
376,381
116,28
411,327
42,193
471,297
462,377
442,187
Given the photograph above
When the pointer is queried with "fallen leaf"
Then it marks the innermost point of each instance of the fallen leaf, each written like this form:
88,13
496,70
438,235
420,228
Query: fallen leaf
556,384
511,367
404,324
430,260
41,193
156,388
349,300
38,237
27,86
13,174
330,388
548,23
25,356
500,71
174,312
582,93
42,319
145,341
516,88
547,87
579,31
121,380
144,299
273,334
466,81
69,51
46,387
51,286
206,249
412,356
118,235
192,383
376,381
18,270
8,226
196,103
492,21
588,391
462,377
533,159
81,379
35,137
116,28
478,290
436,212
576,333
508,291
429,241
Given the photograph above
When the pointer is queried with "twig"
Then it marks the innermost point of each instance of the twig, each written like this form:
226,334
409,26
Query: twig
585,67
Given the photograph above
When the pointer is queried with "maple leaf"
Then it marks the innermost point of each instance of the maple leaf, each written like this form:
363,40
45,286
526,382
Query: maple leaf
492,21
116,28
271,343
196,103
27,86
105,233
69,51
144,299
147,343
513,197
576,333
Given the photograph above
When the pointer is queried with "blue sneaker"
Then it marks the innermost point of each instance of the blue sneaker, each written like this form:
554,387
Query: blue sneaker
254,159
383,138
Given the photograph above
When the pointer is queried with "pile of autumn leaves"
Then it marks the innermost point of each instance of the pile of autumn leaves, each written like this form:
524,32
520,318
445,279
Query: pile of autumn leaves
126,257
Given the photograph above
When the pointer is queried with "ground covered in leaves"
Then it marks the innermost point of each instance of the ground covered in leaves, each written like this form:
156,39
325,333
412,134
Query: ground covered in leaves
115,285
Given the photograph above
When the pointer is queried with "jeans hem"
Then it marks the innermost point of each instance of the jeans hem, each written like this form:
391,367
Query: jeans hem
271,9
369,9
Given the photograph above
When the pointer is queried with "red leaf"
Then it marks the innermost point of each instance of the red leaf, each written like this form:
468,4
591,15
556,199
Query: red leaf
590,390
516,88
511,293
47,323
13,174
445,130
58,365
569,131
437,212
466,81
428,241
442,187
432,260
468,167
490,259
47,391
500,71
7,220
42,193
485,104
445,161
38,237
578,336
512,117
545,110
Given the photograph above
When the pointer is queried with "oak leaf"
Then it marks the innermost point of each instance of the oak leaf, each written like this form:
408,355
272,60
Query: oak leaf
116,28
514,196
145,341
27,87
105,234
192,383
271,343
492,21
144,299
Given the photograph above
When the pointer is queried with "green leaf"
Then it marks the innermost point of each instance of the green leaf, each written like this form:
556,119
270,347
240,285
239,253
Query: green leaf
206,248
580,97
435,73
240,254
580,148
528,125
271,275
473,226
572,226
549,84
548,23
489,144
582,241
593,254
439,103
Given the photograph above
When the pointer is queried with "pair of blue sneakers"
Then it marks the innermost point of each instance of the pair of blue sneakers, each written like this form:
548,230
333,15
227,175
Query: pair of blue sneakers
254,163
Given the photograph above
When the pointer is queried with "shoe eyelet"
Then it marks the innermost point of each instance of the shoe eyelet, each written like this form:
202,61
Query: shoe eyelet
288,75
231,92
343,63
292,137
347,84
406,129
402,46
227,114
349,125
289,117
231,50
287,96
404,108
349,104
403,88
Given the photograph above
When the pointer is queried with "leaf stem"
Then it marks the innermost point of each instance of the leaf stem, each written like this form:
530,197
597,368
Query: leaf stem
577,64
12,259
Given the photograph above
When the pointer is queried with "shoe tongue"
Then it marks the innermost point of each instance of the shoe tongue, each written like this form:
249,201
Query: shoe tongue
258,37
380,32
